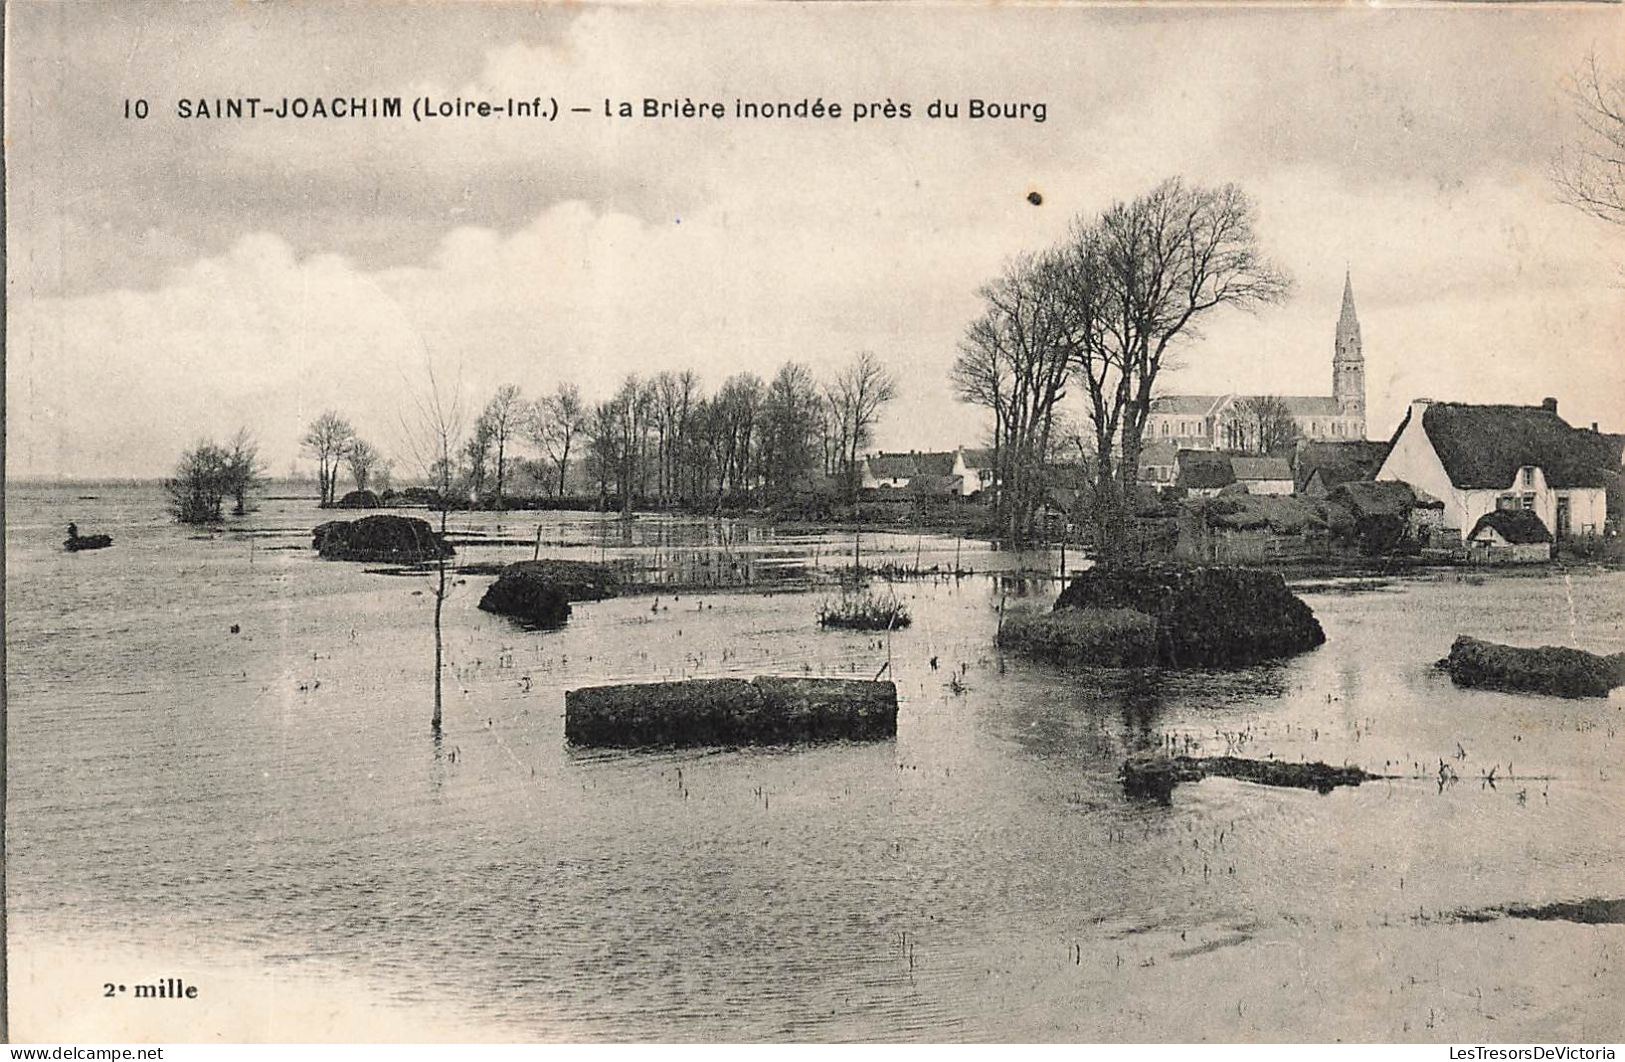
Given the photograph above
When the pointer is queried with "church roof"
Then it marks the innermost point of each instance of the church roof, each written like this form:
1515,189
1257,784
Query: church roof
1311,405
1186,405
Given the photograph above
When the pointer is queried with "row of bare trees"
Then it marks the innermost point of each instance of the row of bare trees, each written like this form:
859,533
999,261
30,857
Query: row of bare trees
662,440
1104,311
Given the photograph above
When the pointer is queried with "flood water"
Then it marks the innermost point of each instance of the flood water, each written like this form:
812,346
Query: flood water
274,797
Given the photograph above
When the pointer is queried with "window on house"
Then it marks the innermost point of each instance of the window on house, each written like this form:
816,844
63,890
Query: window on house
1529,477
1507,501
1528,501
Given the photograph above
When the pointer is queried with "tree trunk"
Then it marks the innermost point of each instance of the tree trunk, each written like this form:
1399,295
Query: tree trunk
439,641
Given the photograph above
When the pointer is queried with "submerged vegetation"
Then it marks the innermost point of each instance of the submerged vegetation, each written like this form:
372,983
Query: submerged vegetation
864,612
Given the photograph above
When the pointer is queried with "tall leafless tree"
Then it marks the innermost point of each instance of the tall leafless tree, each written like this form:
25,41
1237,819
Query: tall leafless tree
1014,360
504,416
1266,425
556,421
1142,277
1590,169
328,440
857,395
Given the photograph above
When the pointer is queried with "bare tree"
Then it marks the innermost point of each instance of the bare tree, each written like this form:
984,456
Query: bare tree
328,440
477,452
504,415
790,417
735,424
363,461
245,472
1590,170
556,420
856,397
1014,360
1266,425
1141,278
603,447
432,431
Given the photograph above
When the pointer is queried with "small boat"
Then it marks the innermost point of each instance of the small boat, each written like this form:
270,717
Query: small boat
79,542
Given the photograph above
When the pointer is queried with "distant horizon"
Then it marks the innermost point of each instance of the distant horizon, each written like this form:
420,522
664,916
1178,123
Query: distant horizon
303,265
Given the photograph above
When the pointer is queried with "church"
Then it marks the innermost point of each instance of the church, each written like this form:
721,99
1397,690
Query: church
1219,422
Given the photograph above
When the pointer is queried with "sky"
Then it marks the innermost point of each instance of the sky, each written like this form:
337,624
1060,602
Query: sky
171,279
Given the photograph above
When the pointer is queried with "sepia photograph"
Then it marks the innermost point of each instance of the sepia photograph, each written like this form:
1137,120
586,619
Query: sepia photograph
656,523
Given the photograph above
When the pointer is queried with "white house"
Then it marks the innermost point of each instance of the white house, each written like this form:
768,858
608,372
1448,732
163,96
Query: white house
974,469
1480,459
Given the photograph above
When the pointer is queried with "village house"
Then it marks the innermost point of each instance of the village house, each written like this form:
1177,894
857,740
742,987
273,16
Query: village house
1219,422
1159,465
1318,468
1483,459
1263,475
1204,473
974,469
1510,535
927,473
887,471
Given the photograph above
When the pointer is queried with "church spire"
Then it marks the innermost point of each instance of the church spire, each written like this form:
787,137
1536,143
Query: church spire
1347,323
1348,362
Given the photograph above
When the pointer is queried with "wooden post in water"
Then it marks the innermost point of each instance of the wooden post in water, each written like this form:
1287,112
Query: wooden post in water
538,554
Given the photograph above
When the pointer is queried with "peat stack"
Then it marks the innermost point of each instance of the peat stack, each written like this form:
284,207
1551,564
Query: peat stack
1551,669
1206,617
731,711
396,539
539,592
1099,637
359,499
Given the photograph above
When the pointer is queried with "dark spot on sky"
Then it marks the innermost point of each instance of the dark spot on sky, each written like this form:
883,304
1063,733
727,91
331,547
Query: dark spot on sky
1035,199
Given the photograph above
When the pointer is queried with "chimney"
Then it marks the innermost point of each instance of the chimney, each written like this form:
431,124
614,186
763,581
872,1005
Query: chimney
1594,426
1549,405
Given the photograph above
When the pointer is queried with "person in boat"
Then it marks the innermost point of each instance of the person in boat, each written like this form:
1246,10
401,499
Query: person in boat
73,532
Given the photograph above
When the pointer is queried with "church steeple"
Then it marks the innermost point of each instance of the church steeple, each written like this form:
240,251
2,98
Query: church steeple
1348,361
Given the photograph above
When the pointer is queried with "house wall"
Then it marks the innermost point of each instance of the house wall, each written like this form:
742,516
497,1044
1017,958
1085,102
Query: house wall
1413,460
1268,486
873,482
971,479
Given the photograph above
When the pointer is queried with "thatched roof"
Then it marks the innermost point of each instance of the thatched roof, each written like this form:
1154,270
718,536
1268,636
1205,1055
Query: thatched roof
1388,497
934,464
892,466
1483,447
1517,526
932,485
1205,469
1338,462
